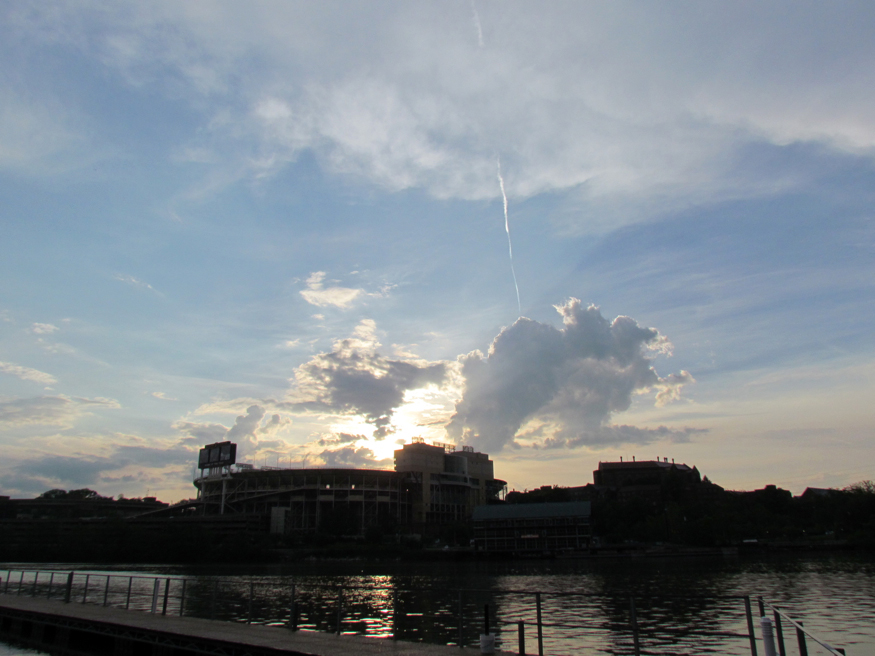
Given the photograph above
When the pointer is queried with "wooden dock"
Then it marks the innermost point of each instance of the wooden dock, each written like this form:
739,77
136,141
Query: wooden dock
78,629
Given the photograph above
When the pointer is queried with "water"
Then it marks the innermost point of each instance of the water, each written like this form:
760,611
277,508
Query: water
683,606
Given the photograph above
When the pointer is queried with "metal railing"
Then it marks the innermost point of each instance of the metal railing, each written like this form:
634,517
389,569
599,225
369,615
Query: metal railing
774,631
454,613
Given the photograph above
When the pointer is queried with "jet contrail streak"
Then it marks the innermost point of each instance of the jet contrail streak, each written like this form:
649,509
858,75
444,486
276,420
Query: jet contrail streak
509,244
477,24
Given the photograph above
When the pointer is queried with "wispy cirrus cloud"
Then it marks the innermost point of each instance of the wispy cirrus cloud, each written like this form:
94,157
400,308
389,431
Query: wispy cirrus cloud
43,328
26,373
624,100
57,410
135,282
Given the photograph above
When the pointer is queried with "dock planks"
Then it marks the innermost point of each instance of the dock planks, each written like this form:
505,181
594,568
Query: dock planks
195,635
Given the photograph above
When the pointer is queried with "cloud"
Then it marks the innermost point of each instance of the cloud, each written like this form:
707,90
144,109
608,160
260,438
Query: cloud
249,431
49,410
43,328
201,433
162,396
351,457
36,135
616,100
621,434
47,471
26,373
571,380
340,438
135,282
66,470
143,456
316,294
354,378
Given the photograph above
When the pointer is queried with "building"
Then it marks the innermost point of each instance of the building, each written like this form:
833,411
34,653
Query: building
431,485
644,477
445,484
343,501
532,527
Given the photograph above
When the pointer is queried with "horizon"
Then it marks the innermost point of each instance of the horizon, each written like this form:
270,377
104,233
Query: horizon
557,234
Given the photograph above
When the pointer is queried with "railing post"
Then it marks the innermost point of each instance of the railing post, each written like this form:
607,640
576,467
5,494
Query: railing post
762,606
182,597
461,621
51,582
166,596
540,625
293,611
85,592
20,583
339,609
780,633
213,595
68,590
768,636
633,618
800,638
249,609
521,635
750,633
130,585
35,579
155,587
106,590
486,619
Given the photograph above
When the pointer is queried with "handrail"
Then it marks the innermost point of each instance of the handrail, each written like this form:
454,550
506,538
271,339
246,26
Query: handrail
160,594
801,631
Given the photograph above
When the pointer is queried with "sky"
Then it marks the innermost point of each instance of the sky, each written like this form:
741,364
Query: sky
560,233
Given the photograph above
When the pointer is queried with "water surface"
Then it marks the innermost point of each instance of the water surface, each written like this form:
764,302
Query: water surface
682,606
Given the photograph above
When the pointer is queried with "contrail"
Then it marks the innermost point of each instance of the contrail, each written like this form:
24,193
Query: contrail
509,244
477,24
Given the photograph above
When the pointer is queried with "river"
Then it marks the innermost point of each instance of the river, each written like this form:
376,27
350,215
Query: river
682,605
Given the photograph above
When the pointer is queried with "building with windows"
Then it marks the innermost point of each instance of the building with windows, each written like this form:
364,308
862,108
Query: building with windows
533,527
445,484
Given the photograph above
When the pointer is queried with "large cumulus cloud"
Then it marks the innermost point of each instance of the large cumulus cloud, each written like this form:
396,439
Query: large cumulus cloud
573,380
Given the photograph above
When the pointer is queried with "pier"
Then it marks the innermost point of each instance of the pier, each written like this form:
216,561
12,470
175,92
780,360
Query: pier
73,629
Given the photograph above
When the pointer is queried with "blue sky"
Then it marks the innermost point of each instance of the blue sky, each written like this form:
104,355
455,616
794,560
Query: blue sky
281,223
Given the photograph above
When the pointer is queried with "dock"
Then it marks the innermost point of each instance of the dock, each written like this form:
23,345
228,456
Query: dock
71,629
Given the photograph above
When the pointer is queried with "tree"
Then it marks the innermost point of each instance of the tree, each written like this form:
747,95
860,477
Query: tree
56,493
84,493
861,487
